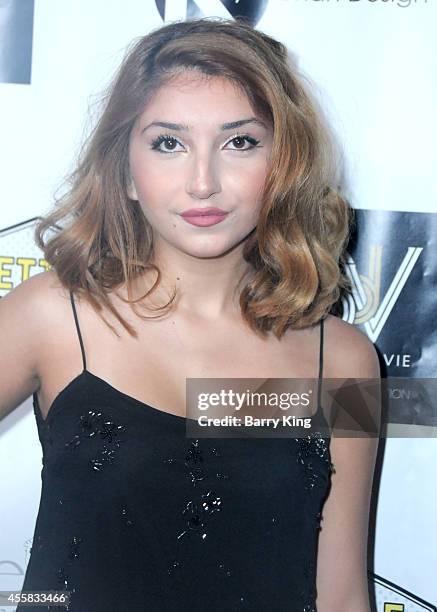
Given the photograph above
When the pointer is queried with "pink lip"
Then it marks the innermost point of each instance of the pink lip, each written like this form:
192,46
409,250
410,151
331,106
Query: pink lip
197,212
204,217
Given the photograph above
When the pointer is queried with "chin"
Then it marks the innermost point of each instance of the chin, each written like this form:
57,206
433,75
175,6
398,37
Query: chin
207,252
204,254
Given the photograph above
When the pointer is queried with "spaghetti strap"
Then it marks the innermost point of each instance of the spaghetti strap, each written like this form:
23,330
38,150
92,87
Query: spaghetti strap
78,329
319,384
321,350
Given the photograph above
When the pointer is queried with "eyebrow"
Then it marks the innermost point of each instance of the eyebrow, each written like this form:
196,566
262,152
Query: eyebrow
225,126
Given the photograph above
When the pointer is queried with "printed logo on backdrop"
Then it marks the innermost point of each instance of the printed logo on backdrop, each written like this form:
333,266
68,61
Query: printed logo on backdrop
181,10
20,257
366,306
16,34
392,269
390,597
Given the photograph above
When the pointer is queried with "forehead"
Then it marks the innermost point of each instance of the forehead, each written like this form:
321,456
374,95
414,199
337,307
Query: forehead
193,98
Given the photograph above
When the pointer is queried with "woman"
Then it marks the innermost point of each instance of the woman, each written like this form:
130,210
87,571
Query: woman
208,179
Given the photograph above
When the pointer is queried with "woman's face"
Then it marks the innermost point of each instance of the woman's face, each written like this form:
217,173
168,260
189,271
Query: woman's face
193,160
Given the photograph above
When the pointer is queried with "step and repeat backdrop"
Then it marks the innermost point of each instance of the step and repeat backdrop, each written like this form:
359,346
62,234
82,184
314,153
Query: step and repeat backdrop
372,66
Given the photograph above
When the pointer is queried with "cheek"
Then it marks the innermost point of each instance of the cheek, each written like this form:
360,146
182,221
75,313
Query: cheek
250,185
146,177
152,187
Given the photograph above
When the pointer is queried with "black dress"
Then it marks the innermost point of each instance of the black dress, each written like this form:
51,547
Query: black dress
135,516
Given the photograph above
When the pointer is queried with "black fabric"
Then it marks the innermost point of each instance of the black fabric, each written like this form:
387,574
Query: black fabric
136,516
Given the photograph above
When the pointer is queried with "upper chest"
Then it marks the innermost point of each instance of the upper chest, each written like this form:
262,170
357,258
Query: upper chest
154,366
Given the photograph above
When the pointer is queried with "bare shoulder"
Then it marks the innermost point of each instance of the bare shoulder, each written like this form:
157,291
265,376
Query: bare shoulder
348,351
36,306
39,295
47,284
27,315
31,292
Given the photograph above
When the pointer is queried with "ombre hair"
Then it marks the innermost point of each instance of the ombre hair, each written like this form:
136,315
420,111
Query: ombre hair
102,239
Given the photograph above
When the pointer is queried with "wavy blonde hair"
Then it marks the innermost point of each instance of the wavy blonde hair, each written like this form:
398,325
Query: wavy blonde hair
295,252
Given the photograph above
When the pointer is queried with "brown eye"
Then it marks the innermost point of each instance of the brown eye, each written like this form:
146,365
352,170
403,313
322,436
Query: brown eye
242,139
156,143
239,141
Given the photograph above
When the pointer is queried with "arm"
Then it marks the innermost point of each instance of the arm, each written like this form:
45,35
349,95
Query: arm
342,582
22,323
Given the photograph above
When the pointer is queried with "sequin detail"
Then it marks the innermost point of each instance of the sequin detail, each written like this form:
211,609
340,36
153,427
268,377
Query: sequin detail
196,513
126,517
97,426
197,510
37,543
74,547
310,580
310,447
62,576
223,569
194,463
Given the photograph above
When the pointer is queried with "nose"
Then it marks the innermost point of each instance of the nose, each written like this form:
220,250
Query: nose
203,180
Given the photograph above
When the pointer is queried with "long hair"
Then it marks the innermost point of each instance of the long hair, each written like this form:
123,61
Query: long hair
102,239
